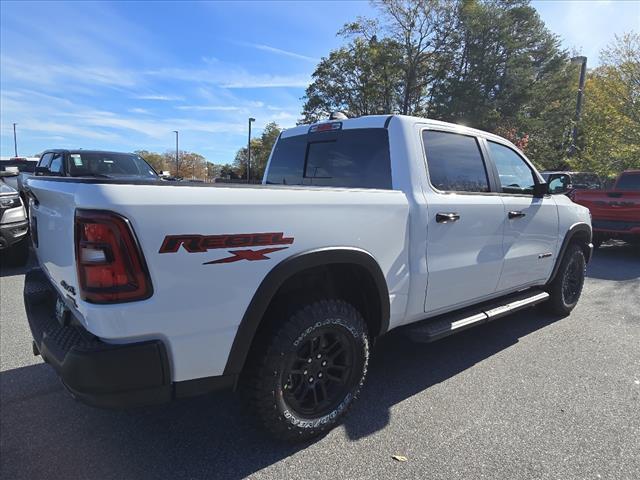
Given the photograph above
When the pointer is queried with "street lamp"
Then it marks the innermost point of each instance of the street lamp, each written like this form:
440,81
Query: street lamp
15,142
177,162
249,151
583,72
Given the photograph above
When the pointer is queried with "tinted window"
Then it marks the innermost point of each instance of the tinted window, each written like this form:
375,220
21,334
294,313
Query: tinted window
515,174
287,161
57,163
109,164
356,158
455,162
629,181
45,160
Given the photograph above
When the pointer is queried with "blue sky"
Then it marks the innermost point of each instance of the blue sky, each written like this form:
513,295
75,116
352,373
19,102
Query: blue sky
124,75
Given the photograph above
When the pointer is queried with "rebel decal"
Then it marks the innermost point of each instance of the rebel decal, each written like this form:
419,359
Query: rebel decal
250,255
202,243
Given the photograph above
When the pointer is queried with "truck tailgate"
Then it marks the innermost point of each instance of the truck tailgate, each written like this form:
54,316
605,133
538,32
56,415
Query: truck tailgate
52,210
610,205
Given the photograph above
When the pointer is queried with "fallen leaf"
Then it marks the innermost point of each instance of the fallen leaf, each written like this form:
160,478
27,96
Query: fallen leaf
399,458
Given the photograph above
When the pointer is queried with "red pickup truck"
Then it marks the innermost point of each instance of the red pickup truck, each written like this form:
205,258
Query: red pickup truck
615,213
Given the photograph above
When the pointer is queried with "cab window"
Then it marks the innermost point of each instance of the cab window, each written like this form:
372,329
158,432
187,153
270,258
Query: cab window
57,164
515,175
455,162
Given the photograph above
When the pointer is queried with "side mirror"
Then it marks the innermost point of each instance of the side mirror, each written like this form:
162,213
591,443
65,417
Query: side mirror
41,171
540,189
559,184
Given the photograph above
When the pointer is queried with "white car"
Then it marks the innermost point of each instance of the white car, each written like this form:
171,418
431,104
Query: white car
362,226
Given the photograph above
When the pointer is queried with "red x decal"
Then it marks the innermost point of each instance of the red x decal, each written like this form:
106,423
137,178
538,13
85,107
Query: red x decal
250,255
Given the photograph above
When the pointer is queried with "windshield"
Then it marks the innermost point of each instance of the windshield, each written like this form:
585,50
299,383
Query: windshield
629,181
109,164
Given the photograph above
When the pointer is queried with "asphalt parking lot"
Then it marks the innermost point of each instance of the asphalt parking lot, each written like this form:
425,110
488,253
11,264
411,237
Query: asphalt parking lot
528,396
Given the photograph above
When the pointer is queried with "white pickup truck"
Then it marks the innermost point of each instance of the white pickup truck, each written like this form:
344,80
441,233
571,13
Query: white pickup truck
151,291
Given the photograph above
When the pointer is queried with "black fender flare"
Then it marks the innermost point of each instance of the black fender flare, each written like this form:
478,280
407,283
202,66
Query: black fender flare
285,270
575,229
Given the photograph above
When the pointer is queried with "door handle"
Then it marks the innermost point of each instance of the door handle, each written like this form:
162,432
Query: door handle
447,217
516,214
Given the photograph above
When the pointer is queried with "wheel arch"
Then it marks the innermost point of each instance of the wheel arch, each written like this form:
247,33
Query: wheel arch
579,233
288,269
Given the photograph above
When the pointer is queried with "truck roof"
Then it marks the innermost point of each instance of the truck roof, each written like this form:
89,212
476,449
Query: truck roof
79,150
382,121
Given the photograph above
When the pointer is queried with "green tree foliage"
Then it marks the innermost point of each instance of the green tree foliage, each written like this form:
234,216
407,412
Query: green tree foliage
156,160
190,165
489,64
610,127
362,78
260,150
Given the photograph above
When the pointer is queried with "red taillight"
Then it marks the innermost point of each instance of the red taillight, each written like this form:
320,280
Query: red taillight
110,265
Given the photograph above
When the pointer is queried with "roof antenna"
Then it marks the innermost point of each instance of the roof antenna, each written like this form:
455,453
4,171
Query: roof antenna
338,116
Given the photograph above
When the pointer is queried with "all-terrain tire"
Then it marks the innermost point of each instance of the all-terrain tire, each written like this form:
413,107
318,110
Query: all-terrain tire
297,358
565,289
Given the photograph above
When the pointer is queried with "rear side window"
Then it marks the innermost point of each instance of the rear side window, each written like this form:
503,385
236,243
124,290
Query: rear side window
455,162
356,158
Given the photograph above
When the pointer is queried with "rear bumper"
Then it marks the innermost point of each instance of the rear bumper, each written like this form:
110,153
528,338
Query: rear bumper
12,233
98,373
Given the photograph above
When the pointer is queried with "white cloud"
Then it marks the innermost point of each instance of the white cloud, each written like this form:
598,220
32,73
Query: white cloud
279,51
230,76
268,81
160,98
213,108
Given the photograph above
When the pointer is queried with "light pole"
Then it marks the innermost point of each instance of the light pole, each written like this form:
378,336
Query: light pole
249,151
15,142
583,72
177,161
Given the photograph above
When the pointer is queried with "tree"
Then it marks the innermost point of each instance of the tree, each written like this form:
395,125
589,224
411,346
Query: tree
610,128
361,78
260,150
488,64
156,160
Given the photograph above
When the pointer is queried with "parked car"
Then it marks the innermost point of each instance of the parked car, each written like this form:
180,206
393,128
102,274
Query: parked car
14,246
362,226
574,180
615,212
94,163
22,166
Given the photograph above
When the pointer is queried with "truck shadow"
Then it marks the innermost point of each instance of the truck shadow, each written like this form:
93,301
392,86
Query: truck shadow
615,260
47,434
9,271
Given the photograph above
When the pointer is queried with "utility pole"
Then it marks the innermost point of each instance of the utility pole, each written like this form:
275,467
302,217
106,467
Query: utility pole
15,142
583,73
177,161
249,151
